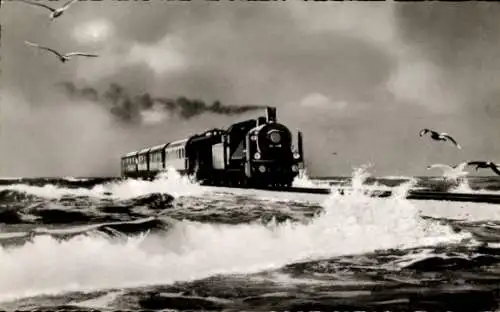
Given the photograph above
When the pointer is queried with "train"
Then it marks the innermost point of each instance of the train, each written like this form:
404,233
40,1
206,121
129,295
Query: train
256,152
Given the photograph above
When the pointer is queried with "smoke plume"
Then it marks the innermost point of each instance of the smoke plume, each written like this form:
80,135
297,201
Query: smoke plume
141,108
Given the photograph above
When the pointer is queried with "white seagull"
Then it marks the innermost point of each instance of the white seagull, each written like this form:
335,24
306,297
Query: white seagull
62,57
55,12
451,172
443,136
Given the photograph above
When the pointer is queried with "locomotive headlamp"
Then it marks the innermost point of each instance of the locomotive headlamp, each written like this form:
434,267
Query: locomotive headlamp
275,137
256,155
262,168
296,155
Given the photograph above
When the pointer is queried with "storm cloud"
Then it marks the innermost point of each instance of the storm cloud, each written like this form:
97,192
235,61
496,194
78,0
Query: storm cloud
463,40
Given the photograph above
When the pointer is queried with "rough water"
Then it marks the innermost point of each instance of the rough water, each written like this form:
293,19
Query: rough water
170,244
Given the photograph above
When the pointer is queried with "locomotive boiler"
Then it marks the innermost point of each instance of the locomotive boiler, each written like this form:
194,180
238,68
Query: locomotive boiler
253,153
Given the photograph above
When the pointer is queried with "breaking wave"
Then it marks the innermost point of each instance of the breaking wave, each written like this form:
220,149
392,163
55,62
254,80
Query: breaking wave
132,234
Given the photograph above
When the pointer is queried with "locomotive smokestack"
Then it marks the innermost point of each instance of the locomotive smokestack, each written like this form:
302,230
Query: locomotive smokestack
271,114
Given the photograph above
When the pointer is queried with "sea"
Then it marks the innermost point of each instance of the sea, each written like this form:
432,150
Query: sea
108,244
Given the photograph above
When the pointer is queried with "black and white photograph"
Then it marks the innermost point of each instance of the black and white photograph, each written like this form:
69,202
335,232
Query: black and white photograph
249,155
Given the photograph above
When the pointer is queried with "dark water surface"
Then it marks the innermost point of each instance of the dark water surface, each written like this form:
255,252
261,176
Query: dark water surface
108,244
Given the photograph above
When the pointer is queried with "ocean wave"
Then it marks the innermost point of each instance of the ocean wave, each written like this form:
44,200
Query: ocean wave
171,244
349,224
21,207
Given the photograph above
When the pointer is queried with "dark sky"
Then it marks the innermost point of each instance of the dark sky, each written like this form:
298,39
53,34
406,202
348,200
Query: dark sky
360,79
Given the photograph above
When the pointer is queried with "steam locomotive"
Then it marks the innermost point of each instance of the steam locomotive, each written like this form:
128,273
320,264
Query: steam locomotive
252,153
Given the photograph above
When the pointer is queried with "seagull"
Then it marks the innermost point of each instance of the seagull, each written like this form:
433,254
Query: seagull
451,172
485,164
62,57
443,136
55,12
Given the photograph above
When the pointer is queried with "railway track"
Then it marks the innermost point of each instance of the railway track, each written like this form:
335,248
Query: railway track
412,194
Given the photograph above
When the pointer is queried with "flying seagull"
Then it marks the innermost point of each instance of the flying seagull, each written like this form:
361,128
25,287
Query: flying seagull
55,12
443,136
452,172
62,57
485,164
